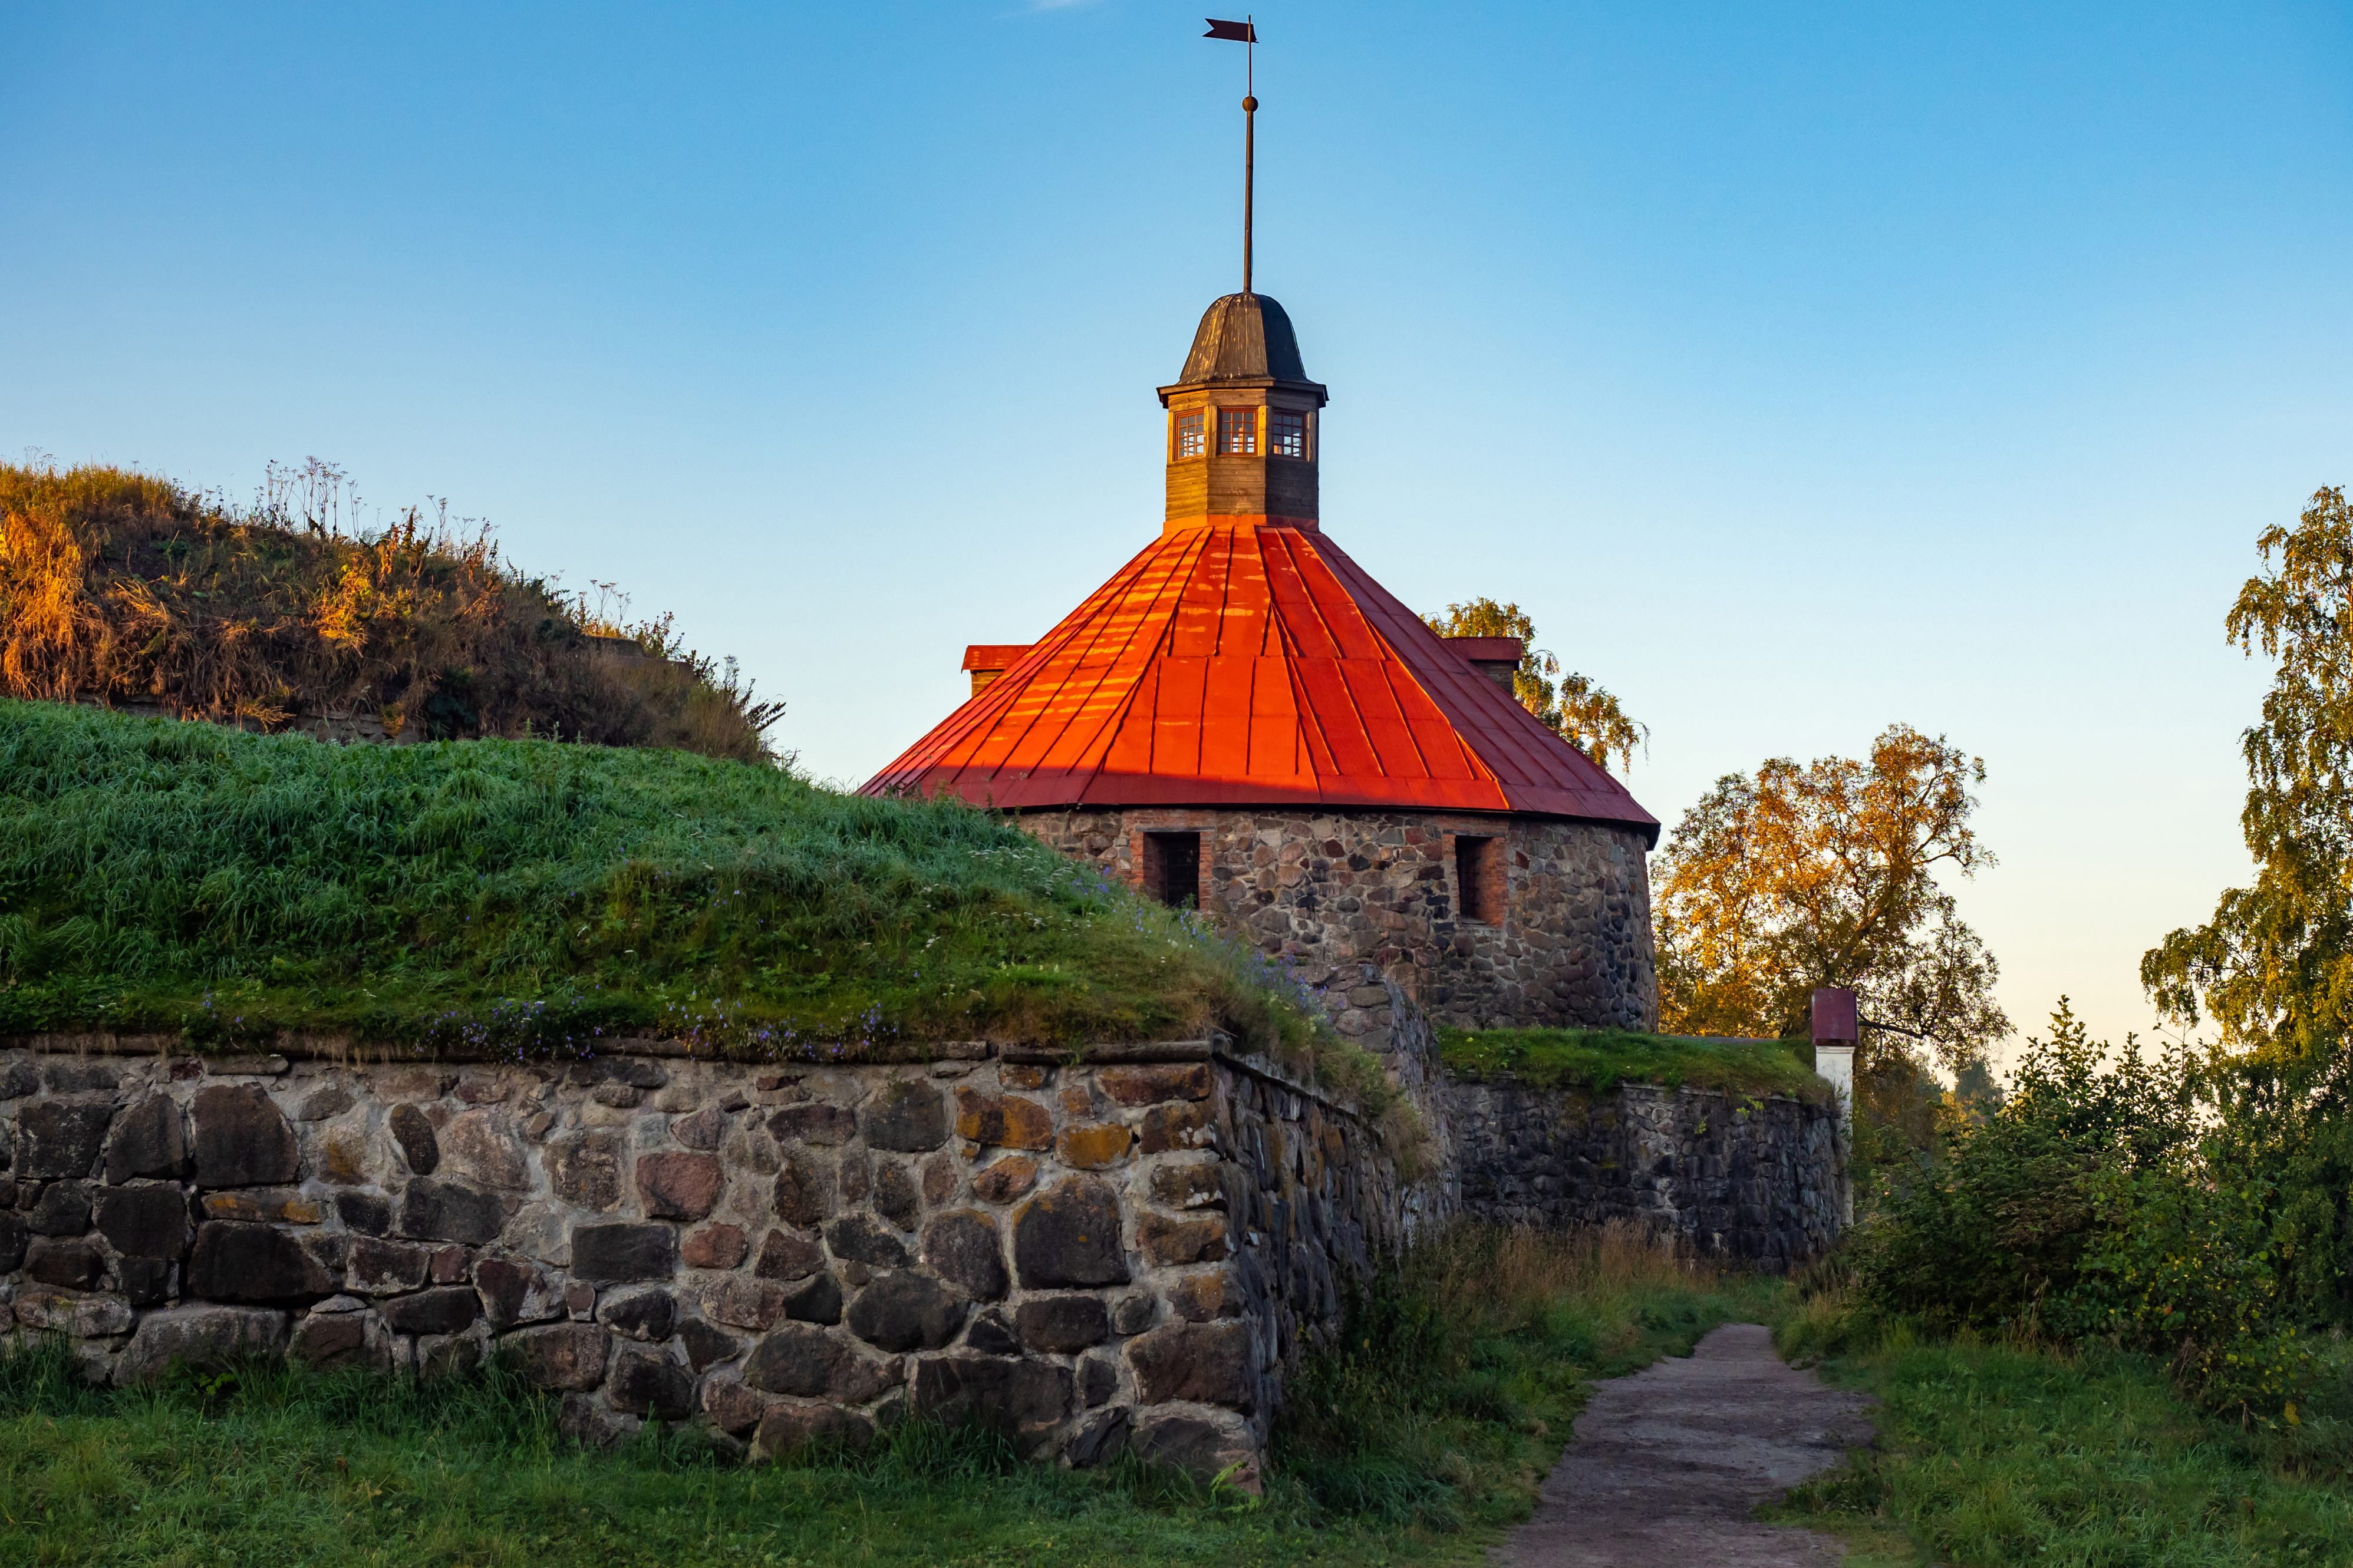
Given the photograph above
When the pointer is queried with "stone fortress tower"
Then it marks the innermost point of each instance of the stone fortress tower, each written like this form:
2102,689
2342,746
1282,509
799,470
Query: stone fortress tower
1242,721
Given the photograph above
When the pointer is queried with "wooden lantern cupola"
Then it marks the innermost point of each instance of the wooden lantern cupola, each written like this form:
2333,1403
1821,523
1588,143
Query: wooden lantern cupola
1242,423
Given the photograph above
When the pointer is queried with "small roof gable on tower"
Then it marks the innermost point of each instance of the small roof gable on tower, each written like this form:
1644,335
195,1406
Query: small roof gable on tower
1244,338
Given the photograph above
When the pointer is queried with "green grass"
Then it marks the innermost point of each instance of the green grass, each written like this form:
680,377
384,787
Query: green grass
1994,1454
524,896
1600,1059
1415,1448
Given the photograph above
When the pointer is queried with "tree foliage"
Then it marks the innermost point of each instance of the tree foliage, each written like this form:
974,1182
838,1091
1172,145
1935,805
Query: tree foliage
1574,707
1825,874
2273,967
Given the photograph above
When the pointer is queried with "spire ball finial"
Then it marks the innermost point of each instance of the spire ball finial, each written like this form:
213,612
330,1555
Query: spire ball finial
1249,105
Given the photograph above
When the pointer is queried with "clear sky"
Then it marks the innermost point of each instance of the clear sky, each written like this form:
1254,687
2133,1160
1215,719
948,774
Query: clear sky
1801,368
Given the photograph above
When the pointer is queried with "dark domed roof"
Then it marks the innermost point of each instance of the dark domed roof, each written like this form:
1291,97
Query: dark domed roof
1243,337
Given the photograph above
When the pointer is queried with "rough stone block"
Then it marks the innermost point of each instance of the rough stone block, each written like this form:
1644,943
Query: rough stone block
1151,1085
1205,1449
1098,1380
815,1300
238,1262
905,1312
13,1238
648,1382
861,1238
744,1303
907,1117
1006,1180
584,1168
441,1211
787,1254
803,1360
705,1346
804,1194
1201,1363
789,1428
516,1292
66,1265
618,1252
679,1183
375,1268
1061,1324
149,1139
1205,1295
242,1139
826,1126
1099,1439
1025,1399
62,1209
733,1408
1070,1235
714,1246
1170,1242
262,1205
1004,1119
962,1247
895,1197
200,1336
561,1356
1182,1124
482,1148
705,1130
1189,1184
443,1309
145,1221
1094,1146
61,1137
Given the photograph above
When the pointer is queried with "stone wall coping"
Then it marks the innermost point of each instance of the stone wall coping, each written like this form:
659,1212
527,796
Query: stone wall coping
345,1052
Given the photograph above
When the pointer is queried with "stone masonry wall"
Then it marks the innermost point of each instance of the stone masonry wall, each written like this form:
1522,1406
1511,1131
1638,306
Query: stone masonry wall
1127,1251
1322,889
1754,1181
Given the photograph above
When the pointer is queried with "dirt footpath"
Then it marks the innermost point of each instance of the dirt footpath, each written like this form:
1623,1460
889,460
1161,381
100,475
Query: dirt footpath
1666,1464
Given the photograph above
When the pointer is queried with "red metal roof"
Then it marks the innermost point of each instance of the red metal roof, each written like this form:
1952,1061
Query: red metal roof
1238,664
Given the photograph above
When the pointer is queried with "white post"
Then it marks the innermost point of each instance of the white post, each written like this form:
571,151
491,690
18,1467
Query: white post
1835,1035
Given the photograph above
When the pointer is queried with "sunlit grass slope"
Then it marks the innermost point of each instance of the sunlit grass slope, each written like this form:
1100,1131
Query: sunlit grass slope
536,896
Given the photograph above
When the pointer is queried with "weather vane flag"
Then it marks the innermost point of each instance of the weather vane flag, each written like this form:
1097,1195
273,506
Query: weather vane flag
1244,32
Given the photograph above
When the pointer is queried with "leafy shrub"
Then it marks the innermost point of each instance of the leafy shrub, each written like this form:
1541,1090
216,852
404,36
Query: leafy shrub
2094,1203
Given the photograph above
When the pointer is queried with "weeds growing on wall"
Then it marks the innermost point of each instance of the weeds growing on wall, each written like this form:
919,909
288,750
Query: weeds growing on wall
119,587
532,898
1600,1059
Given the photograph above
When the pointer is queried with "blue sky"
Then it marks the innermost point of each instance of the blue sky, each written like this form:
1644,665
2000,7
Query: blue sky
1801,368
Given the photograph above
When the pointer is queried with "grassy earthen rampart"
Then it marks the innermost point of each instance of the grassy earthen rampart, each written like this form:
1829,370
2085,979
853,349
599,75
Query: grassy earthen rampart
537,898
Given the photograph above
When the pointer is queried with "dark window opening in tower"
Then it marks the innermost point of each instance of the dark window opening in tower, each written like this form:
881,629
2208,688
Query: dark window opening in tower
1286,433
1478,897
1172,871
1238,431
1191,439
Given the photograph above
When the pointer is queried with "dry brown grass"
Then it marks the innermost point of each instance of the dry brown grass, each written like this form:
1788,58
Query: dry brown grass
1508,1277
120,587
